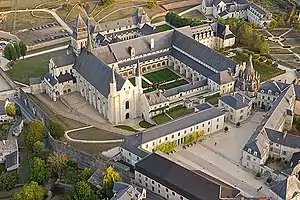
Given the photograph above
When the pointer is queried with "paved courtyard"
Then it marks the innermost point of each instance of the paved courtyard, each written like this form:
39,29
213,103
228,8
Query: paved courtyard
232,142
223,160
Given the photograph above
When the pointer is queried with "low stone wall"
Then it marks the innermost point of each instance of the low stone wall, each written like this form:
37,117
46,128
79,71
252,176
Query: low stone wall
49,43
7,79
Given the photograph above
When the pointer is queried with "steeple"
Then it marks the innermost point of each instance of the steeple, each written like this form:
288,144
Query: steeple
89,44
249,68
79,24
113,84
113,78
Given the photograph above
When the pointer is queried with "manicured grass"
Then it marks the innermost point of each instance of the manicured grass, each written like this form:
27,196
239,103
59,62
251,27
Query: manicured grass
144,83
292,34
195,14
263,33
179,111
213,99
292,41
94,134
277,32
149,90
162,118
273,44
268,72
158,19
296,50
279,51
174,84
36,66
164,27
145,124
127,128
285,56
181,9
163,75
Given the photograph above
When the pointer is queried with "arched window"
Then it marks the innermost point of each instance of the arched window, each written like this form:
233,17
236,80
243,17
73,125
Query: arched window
127,115
127,105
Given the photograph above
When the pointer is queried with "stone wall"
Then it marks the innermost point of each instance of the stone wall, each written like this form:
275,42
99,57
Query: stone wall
49,43
180,4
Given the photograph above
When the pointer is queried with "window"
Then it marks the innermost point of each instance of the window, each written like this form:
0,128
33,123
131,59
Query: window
191,129
249,150
242,111
140,180
153,143
202,125
158,185
146,146
217,126
208,130
129,154
146,184
146,179
284,152
255,153
179,134
181,198
152,188
208,123
197,127
167,190
172,136
268,98
158,191
184,132
167,196
152,182
159,141
248,157
173,193
218,120
166,138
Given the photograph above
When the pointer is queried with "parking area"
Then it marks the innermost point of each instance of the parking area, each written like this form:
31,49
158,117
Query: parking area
43,33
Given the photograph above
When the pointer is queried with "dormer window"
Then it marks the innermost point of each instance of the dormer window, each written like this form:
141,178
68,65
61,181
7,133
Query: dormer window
255,153
249,150
269,92
262,91
276,93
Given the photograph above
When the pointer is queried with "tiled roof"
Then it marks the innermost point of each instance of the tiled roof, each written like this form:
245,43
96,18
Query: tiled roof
96,72
183,181
275,87
65,77
155,97
236,101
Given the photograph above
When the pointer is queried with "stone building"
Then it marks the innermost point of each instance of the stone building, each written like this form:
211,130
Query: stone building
248,80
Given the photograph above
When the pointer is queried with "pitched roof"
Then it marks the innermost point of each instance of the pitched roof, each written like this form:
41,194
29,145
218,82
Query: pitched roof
11,159
278,137
275,87
203,53
2,107
155,98
65,77
222,77
236,101
179,124
51,79
183,181
203,106
64,60
258,9
96,72
79,23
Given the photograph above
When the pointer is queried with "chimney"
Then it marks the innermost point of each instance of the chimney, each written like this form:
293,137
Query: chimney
152,43
243,99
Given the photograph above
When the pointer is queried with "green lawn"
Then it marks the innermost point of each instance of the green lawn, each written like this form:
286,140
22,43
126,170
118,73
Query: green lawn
181,9
32,67
195,14
213,99
292,41
174,84
164,27
268,72
279,51
161,76
94,134
127,128
145,124
162,118
179,111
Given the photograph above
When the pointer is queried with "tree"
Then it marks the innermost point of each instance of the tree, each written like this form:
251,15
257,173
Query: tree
57,162
23,48
38,147
11,109
82,191
35,132
8,180
10,52
56,130
109,177
74,174
151,3
17,48
39,172
31,191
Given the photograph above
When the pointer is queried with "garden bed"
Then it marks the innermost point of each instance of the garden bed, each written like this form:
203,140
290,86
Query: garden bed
162,118
163,75
179,111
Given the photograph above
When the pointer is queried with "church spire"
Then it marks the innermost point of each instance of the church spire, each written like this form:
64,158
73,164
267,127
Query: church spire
113,78
89,44
249,67
138,70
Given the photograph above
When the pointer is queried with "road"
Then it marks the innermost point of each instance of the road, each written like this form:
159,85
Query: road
57,18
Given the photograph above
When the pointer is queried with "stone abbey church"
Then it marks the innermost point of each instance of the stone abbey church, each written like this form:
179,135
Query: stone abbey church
106,62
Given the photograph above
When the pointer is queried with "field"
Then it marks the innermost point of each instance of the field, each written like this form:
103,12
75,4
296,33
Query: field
277,32
164,27
32,67
163,75
213,99
195,14
177,112
162,118
174,84
94,134
268,72
25,20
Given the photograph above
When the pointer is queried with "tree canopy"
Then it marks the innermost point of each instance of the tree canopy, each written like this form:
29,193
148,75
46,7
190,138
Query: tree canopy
57,162
11,109
151,3
39,172
10,52
31,191
23,48
38,147
178,21
8,180
17,48
56,130
82,191
110,176
35,132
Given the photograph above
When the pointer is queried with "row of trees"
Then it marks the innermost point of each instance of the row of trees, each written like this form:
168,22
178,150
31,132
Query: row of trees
246,36
13,51
178,21
166,147
193,137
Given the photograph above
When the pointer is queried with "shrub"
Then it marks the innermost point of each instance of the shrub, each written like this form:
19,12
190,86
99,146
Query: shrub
56,130
38,147
179,21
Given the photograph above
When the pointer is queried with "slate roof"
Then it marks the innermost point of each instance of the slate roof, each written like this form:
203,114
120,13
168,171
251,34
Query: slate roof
295,159
11,159
132,144
198,67
275,87
2,107
183,181
179,124
35,80
203,53
222,31
155,97
99,74
258,9
280,188
203,106
65,77
124,191
51,79
64,60
278,137
184,88
222,77
236,101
